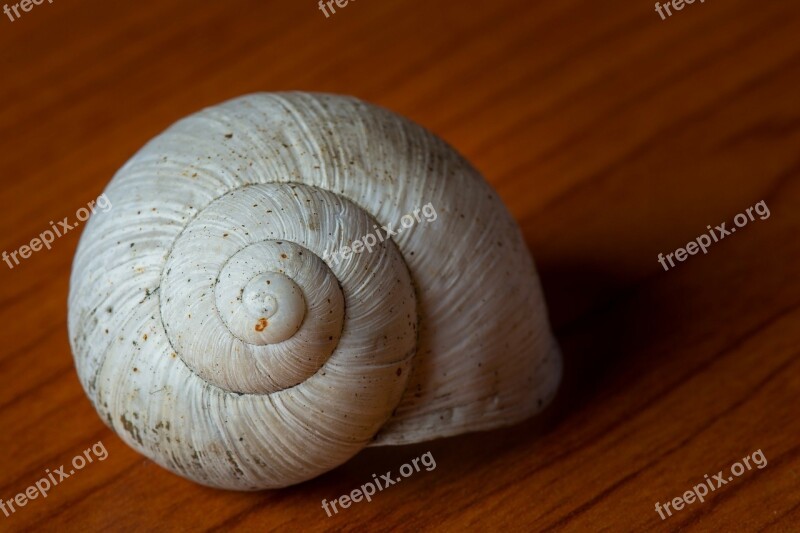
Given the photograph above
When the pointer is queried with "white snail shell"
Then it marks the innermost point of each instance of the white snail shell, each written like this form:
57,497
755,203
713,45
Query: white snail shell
215,335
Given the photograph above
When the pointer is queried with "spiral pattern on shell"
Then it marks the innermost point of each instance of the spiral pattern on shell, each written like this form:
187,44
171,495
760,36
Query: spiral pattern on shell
214,334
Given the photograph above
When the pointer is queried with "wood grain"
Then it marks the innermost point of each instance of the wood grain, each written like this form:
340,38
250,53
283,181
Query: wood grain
611,135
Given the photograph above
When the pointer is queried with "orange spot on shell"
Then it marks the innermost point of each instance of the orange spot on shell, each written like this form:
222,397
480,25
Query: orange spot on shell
262,324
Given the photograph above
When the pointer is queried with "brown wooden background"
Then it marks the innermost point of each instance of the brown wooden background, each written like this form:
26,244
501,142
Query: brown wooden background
611,135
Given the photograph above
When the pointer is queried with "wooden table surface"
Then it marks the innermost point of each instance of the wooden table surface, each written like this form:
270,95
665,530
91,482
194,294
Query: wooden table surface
612,136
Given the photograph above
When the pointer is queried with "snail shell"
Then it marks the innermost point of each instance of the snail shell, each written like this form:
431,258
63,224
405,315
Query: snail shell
215,333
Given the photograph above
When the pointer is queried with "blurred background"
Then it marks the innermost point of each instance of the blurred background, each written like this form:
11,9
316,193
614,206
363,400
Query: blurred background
611,135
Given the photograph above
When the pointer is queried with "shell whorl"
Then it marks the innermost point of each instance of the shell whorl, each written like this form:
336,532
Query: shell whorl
263,296
213,332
